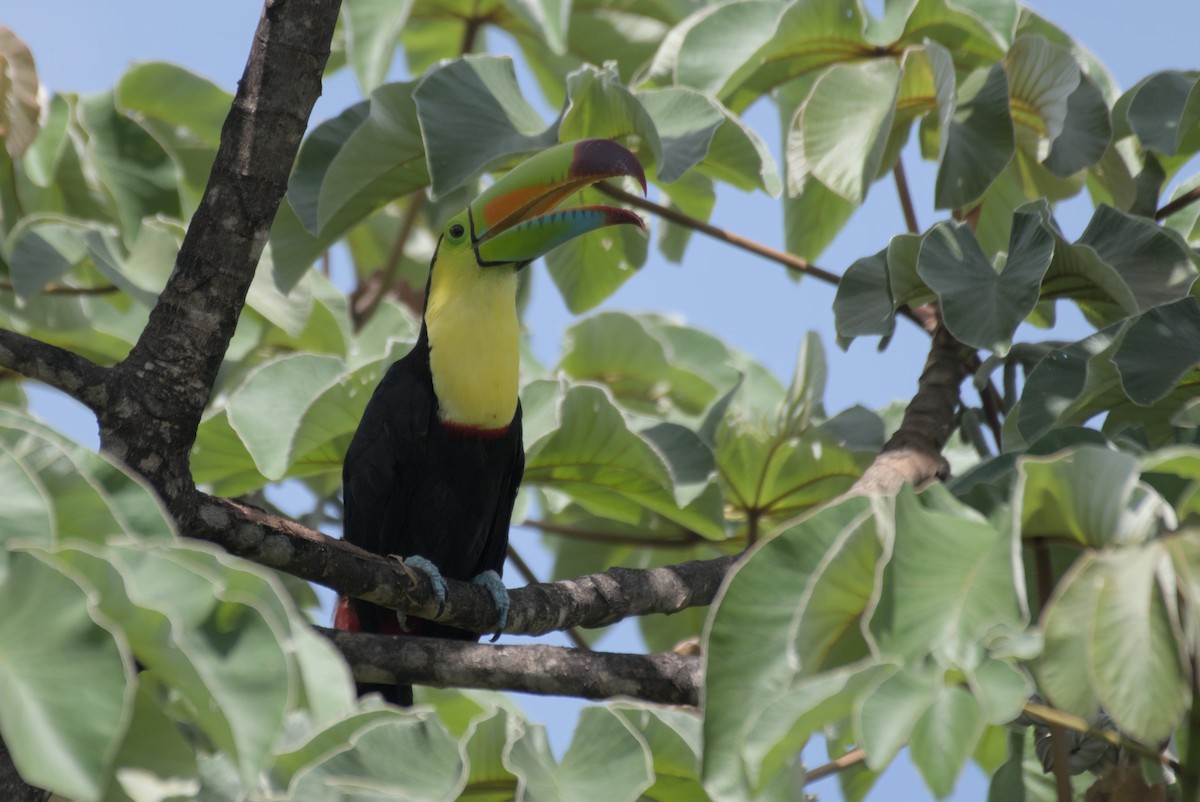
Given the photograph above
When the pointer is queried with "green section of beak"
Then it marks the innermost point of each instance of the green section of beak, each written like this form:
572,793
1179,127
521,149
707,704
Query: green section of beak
513,220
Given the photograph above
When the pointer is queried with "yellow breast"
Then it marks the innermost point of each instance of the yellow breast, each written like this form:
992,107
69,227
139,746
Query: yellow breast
474,342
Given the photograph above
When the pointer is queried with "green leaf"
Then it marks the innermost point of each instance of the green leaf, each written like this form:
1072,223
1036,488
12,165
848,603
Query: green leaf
637,363
259,437
59,738
373,30
588,269
133,167
1123,261
600,106
474,116
1164,112
607,759
672,737
1111,643
982,306
685,122
1139,362
43,248
710,50
945,736
777,474
1086,133
593,456
842,127
366,762
380,161
63,490
19,106
807,587
1042,77
812,213
888,714
1092,494
548,17
976,139
946,601
863,305
178,97
184,112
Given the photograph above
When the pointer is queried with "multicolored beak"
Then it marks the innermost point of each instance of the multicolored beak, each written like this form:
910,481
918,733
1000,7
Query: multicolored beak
514,221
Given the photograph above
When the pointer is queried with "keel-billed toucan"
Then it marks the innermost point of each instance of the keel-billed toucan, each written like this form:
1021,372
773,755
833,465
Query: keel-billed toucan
432,471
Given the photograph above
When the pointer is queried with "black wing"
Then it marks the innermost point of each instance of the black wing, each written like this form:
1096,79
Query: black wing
496,547
387,447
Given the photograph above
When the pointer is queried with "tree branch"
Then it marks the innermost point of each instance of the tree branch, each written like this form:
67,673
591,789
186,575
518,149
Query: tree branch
595,600
63,370
1186,199
906,202
530,578
913,455
791,262
158,393
666,678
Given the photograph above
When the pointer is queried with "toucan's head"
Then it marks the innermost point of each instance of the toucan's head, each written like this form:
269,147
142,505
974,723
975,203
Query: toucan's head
514,221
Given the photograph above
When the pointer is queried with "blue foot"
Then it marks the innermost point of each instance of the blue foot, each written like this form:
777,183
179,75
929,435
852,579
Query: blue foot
435,578
490,581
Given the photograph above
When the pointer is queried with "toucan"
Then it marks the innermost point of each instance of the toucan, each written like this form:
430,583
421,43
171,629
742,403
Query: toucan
432,472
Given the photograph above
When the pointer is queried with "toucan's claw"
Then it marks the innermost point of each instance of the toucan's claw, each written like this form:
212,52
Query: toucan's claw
491,582
435,578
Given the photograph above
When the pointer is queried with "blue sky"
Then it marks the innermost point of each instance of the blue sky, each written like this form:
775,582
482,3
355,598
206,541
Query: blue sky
85,46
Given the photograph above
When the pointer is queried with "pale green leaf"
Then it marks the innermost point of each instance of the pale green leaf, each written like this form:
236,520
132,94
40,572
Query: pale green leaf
976,139
474,116
373,30
813,576
60,739
945,736
842,127
1111,643
1092,494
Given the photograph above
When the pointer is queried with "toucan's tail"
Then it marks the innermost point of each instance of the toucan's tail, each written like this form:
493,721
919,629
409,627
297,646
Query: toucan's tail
352,615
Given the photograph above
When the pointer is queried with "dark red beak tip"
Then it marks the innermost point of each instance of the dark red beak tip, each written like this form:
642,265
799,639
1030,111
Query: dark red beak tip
603,157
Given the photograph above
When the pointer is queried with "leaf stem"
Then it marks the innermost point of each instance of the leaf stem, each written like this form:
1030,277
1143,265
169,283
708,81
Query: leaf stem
573,532
790,261
395,256
1186,199
63,289
848,760
906,202
1061,720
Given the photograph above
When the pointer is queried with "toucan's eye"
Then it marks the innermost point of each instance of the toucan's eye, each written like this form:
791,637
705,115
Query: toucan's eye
456,231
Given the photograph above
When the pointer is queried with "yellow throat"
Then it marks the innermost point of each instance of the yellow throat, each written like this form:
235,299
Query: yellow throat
471,316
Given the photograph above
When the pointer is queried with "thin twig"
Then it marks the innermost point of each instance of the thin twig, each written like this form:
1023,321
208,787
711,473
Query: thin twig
1186,199
921,315
573,532
63,289
791,262
906,202
387,277
1057,719
531,579
851,758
